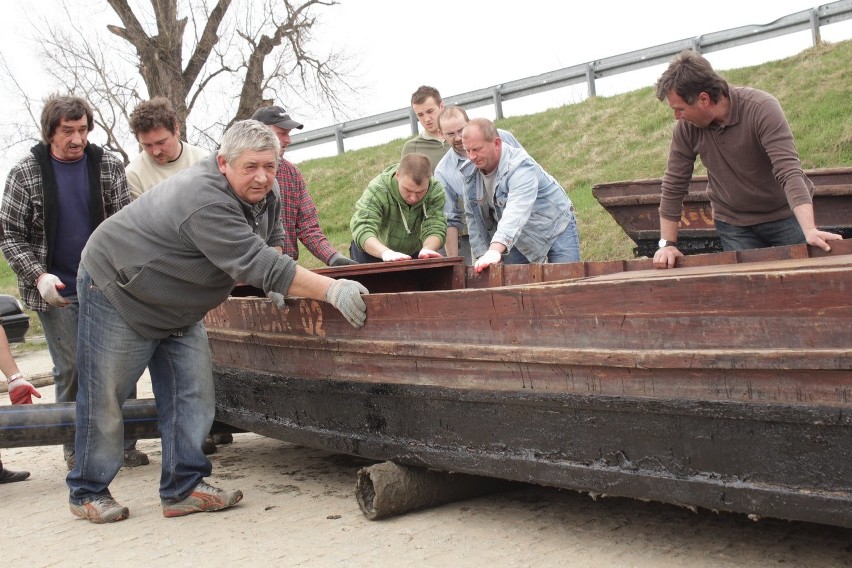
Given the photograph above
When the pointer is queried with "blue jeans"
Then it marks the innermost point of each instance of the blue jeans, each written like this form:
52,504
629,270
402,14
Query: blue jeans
566,248
60,332
464,249
111,357
773,234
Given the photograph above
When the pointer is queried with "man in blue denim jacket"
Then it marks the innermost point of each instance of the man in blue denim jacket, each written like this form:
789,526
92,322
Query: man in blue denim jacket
516,212
451,122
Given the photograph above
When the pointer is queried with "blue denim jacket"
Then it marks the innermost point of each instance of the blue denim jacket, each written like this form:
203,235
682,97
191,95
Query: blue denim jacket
448,173
532,208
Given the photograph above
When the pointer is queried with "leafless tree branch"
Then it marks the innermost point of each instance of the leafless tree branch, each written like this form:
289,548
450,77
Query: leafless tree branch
216,60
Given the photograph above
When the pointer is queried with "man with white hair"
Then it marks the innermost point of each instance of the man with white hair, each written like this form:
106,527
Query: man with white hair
142,302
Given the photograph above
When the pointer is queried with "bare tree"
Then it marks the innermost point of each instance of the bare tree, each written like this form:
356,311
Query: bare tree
216,60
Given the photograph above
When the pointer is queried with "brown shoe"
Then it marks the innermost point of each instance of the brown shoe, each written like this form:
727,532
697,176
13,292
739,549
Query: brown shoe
225,438
8,476
134,458
209,446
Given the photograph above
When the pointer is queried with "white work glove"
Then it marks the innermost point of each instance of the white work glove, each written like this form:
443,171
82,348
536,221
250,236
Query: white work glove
338,259
429,253
391,255
48,286
345,295
490,257
277,298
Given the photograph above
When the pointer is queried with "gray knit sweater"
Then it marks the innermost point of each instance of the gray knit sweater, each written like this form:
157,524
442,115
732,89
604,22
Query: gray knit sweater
175,253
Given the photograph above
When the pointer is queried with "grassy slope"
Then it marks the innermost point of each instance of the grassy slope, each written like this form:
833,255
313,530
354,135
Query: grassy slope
609,139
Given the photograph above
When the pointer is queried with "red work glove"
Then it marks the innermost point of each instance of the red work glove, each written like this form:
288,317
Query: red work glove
21,391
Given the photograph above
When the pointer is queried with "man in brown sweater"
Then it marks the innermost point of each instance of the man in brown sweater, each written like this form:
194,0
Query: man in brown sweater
759,194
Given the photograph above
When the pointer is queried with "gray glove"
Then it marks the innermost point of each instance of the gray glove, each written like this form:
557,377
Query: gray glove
277,299
338,259
345,295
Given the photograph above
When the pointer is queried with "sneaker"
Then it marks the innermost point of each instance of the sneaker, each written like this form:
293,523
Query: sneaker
104,509
204,498
225,438
134,457
7,476
209,446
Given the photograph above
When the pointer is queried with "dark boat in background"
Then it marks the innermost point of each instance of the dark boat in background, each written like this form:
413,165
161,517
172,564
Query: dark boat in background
634,205
724,384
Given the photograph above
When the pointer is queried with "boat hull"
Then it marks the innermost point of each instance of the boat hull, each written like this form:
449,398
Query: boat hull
727,387
777,460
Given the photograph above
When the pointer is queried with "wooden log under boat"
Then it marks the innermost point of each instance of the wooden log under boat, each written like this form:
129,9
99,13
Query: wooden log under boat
724,384
635,207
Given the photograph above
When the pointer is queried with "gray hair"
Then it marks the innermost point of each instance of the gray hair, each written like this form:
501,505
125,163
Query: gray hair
247,136
58,108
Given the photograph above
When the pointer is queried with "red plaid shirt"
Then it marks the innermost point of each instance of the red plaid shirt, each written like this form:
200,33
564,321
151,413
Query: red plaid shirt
299,215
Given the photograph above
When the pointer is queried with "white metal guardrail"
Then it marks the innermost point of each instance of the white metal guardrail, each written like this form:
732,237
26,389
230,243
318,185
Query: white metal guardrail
811,19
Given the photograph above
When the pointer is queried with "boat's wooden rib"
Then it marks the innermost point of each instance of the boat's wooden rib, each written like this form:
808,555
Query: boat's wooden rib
726,386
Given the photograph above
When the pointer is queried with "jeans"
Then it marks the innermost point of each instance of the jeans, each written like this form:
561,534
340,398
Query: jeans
60,332
772,234
566,248
464,249
111,357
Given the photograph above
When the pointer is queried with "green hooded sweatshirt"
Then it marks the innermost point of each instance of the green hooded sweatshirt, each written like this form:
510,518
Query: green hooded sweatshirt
382,213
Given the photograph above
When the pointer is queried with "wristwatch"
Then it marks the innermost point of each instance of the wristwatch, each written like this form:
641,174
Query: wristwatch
665,243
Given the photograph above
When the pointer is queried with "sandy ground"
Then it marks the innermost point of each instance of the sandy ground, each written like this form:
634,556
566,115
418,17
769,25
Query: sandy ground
299,510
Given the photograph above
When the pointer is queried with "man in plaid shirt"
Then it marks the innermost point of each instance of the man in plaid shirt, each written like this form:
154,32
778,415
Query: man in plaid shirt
298,212
54,199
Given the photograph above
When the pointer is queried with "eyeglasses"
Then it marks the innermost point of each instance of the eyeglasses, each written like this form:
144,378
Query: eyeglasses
452,135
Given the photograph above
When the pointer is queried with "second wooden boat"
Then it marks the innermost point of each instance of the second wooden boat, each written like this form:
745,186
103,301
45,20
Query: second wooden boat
635,206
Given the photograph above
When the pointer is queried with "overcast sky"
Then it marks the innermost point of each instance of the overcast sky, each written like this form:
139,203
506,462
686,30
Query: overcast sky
464,45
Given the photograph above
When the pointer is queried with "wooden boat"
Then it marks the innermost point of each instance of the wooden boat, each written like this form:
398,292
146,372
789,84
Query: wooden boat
634,205
724,384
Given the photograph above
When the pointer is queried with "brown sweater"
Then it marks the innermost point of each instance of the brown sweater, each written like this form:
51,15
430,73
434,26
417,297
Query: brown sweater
752,164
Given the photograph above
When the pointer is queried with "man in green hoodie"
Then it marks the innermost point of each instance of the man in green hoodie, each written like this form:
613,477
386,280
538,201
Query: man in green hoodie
400,215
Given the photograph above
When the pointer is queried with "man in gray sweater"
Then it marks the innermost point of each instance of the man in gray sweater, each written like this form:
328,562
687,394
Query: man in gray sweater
148,276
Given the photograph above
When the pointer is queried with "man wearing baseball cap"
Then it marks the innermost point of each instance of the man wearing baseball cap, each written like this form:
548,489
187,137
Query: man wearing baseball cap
298,212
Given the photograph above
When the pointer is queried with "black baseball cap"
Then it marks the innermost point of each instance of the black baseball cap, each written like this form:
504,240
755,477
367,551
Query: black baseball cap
276,116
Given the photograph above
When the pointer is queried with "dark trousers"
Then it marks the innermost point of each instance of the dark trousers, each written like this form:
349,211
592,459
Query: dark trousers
773,234
356,254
